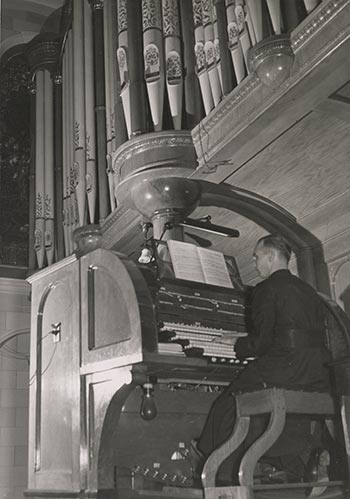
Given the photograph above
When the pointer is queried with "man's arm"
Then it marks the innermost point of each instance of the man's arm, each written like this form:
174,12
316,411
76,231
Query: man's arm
263,319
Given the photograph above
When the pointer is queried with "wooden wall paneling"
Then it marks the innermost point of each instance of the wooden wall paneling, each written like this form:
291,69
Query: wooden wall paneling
54,380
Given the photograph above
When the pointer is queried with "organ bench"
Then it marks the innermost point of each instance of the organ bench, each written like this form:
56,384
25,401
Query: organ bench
276,402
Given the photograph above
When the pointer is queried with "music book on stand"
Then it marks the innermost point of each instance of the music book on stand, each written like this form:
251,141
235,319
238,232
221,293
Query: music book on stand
194,263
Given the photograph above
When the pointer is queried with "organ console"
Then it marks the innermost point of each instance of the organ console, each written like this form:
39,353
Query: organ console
123,323
194,323
133,360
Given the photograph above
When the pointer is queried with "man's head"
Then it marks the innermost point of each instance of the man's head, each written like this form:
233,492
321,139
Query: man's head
271,253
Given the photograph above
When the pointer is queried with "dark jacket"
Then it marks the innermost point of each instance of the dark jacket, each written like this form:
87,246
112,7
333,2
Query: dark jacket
281,303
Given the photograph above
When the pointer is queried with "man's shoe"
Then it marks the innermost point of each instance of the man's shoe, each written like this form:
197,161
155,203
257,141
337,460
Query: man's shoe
317,471
197,460
266,473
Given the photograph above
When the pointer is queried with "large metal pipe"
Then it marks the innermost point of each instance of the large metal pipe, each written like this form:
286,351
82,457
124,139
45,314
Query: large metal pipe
39,170
100,107
226,65
58,152
121,133
110,93
49,235
137,84
72,208
65,162
79,109
194,111
90,129
31,251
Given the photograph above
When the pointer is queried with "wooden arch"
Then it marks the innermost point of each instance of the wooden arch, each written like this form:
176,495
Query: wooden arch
273,218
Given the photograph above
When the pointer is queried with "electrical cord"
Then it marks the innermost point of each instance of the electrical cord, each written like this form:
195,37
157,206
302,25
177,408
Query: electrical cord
31,379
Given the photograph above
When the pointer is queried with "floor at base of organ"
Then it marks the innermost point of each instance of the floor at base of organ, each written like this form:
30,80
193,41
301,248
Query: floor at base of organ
334,492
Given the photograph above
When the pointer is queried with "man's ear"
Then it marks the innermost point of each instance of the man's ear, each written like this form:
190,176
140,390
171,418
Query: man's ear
271,255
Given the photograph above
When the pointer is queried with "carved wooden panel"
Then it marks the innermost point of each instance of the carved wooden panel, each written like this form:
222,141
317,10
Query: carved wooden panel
111,321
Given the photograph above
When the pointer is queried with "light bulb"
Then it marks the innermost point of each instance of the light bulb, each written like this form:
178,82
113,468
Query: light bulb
148,409
146,255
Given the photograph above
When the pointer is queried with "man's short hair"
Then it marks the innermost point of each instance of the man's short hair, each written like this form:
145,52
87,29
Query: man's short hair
278,243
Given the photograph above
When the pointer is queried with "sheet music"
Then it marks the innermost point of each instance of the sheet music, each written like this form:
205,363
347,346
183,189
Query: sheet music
214,268
194,263
185,260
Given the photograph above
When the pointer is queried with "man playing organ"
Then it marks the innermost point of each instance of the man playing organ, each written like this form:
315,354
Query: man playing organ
287,341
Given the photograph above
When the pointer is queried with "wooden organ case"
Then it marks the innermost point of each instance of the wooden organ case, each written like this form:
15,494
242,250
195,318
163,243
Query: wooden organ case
98,324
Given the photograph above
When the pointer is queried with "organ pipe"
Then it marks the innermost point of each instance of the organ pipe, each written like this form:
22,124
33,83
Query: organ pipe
234,44
90,131
120,131
293,12
49,235
135,67
201,63
32,188
79,109
222,35
123,61
310,5
72,201
216,42
274,7
193,101
241,16
100,108
209,50
153,55
109,92
254,13
118,61
174,64
65,162
58,148
39,173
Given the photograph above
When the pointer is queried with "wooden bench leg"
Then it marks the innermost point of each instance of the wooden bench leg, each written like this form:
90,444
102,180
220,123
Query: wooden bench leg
263,443
213,462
